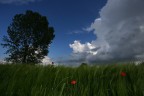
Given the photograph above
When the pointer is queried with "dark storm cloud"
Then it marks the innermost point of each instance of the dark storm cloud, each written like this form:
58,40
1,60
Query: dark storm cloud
119,31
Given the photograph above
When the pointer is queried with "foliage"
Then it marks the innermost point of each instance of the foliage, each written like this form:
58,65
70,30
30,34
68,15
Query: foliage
105,80
29,37
84,64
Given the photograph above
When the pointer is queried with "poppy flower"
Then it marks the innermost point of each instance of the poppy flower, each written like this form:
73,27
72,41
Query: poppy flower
123,74
73,82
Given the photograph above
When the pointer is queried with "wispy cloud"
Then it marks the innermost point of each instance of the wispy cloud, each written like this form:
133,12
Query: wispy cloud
76,32
17,1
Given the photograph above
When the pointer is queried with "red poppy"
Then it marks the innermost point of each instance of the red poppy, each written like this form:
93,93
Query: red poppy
73,82
123,74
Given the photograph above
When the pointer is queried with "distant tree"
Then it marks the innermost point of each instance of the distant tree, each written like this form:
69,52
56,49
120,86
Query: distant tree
29,37
83,65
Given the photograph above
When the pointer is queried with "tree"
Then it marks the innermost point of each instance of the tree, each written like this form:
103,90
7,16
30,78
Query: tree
83,65
29,37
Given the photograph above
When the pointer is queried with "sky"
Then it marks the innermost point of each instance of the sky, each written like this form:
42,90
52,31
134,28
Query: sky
86,30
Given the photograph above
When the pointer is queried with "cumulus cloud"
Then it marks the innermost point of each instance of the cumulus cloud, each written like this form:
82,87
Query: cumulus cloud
46,61
119,32
17,1
83,48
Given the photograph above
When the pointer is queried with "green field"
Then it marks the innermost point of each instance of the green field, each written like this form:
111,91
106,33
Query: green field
105,80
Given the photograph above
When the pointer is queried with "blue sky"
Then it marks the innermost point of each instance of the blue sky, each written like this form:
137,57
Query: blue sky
86,30
68,17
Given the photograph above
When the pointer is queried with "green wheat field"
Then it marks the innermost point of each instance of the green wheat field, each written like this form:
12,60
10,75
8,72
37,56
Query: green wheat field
104,80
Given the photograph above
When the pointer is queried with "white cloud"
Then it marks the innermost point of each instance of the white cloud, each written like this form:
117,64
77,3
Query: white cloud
96,23
17,1
83,48
3,62
46,61
76,32
119,32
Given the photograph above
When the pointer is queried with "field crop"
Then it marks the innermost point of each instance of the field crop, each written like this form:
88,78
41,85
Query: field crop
105,80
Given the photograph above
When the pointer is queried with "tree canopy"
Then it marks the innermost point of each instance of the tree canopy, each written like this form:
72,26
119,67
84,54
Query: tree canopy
29,38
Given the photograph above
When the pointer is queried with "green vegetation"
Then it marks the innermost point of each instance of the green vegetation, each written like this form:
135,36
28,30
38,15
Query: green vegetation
105,80
29,38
